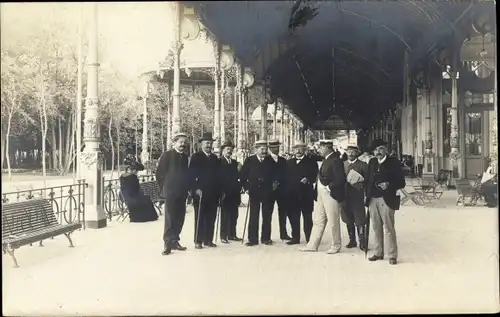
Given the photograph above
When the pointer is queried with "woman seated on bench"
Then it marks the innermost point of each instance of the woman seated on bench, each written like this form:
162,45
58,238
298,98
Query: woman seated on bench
140,206
489,188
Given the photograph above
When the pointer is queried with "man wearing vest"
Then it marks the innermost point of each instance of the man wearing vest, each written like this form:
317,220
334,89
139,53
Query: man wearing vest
302,172
330,189
258,178
385,178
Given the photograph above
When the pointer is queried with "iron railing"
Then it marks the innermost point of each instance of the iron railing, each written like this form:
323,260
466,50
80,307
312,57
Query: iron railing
113,202
68,201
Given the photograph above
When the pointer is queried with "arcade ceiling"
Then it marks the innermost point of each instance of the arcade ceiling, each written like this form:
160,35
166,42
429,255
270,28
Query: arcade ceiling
340,58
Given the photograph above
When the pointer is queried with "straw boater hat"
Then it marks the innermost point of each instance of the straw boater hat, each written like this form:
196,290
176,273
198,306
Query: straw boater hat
274,143
179,135
326,142
352,147
207,136
260,143
300,145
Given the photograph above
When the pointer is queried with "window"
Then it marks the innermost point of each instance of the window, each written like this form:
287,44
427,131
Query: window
473,133
446,130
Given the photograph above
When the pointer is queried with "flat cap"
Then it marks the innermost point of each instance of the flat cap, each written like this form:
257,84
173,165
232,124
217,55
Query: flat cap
325,142
227,144
300,145
274,143
352,147
378,142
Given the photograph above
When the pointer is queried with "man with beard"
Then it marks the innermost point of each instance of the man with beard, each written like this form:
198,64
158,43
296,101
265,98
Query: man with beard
205,188
231,194
172,177
353,211
257,176
279,195
385,178
330,189
302,172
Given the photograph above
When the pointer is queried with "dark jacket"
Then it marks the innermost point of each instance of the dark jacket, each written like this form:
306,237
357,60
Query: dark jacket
172,174
204,173
332,174
229,178
308,168
389,171
258,177
280,172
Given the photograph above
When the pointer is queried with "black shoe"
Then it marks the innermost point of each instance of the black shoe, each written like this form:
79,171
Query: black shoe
210,244
362,238
292,242
223,240
198,245
286,238
268,242
393,261
376,258
235,239
177,246
351,244
351,231
251,244
167,251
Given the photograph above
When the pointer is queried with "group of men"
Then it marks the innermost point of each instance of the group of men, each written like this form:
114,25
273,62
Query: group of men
341,189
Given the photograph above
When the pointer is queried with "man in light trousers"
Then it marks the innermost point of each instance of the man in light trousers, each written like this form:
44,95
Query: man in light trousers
330,189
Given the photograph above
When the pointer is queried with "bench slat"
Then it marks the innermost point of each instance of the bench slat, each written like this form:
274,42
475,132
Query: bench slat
31,237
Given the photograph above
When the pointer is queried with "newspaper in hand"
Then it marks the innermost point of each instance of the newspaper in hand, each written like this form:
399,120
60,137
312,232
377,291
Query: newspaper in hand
354,177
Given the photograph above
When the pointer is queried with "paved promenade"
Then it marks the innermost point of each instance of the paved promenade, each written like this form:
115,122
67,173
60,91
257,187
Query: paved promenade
448,263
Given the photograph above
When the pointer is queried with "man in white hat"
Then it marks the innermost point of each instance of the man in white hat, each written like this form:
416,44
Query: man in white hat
330,189
257,176
172,177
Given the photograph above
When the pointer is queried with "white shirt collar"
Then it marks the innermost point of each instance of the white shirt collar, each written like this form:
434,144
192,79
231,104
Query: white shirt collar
299,158
259,158
180,152
275,157
207,154
228,159
382,160
328,155
352,161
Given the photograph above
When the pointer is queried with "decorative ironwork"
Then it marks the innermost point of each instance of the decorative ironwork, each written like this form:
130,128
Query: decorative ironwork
90,159
112,200
68,201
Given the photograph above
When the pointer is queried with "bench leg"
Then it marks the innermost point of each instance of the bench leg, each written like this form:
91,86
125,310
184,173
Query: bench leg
10,251
40,244
69,239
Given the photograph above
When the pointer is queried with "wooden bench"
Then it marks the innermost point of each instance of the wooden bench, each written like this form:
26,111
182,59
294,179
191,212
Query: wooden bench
415,197
466,190
31,221
149,189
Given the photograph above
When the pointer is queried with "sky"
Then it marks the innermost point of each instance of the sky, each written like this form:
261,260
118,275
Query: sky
136,36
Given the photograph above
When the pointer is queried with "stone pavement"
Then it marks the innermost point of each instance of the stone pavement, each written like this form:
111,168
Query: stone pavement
448,264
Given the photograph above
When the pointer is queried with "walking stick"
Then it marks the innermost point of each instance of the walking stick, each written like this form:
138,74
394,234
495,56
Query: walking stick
198,219
367,231
217,217
246,221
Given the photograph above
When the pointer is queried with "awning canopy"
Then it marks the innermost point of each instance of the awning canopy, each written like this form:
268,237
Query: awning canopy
341,58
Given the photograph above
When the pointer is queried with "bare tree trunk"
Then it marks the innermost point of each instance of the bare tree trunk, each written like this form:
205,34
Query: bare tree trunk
54,144
7,144
110,129
2,144
60,146
118,141
69,145
162,134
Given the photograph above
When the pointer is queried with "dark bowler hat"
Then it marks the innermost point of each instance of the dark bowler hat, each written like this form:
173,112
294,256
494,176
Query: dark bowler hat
207,136
352,147
325,142
179,135
227,144
378,142
260,143
299,145
134,165
274,143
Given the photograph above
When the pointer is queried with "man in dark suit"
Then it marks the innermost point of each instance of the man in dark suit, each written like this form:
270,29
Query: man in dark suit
231,194
330,189
279,195
257,177
302,172
205,188
172,177
385,178
353,209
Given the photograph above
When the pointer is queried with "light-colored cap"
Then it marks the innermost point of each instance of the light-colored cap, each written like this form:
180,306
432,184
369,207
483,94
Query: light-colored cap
260,143
179,135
